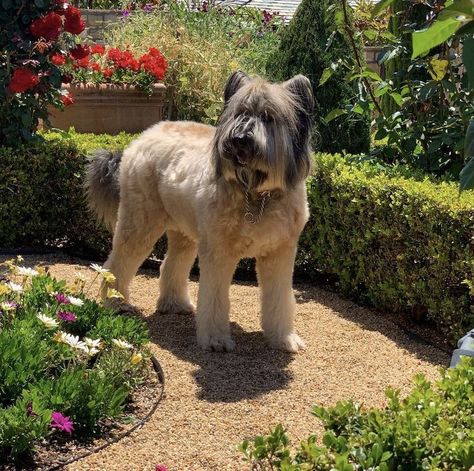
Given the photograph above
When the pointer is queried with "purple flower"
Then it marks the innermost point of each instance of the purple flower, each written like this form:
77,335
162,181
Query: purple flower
148,8
67,316
62,298
61,422
125,13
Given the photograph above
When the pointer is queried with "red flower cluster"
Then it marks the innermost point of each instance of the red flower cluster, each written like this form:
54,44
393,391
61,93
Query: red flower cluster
49,26
58,59
80,52
22,79
123,59
97,49
73,23
154,63
67,99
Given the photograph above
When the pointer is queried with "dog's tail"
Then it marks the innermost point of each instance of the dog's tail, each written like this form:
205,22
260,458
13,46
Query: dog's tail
102,185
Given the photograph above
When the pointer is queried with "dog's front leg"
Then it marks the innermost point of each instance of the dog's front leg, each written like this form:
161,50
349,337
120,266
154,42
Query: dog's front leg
216,269
275,277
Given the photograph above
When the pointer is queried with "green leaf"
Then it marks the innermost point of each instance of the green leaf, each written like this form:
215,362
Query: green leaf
379,7
437,33
334,114
397,98
327,74
466,178
459,8
468,59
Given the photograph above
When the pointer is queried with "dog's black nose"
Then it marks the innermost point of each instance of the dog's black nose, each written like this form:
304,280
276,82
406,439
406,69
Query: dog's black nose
241,139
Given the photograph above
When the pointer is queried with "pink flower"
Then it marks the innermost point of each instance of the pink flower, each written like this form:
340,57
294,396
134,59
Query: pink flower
61,422
62,298
67,316
161,467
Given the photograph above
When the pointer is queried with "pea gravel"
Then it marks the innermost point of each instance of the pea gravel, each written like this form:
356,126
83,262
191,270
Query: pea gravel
213,401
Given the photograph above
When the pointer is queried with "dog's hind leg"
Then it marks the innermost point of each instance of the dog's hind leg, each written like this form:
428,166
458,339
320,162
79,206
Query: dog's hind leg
174,274
138,228
275,277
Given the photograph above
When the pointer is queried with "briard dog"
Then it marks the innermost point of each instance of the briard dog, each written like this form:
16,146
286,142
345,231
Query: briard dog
223,193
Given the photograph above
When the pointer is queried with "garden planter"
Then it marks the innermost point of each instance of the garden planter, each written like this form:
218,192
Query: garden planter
110,109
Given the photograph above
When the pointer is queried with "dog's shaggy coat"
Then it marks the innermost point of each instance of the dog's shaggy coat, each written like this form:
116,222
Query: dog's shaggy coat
207,189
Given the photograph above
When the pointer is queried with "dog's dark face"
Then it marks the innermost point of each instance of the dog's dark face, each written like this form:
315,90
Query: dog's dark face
262,137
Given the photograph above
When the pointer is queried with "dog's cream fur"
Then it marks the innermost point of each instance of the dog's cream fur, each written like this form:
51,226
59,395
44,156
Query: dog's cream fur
168,183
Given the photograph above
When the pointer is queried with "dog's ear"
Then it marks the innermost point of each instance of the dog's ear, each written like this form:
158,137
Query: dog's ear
301,88
234,82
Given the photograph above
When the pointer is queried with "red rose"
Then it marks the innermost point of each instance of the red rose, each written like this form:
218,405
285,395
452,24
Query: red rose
58,59
47,27
79,52
67,99
22,79
97,49
73,23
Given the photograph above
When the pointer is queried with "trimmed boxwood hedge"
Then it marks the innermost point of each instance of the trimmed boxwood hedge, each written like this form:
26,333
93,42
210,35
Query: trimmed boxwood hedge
397,243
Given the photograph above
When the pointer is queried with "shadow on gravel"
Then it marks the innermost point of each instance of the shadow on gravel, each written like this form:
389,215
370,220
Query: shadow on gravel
420,340
248,372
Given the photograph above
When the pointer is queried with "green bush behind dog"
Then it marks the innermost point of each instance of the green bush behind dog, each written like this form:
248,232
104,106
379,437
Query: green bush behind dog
397,243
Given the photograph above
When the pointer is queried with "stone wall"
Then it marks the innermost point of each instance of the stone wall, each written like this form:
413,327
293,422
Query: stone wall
98,20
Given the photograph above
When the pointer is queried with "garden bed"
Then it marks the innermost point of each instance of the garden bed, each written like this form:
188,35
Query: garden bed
71,371
142,404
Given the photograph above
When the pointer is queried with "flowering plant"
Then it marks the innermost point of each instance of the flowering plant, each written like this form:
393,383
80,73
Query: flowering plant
96,64
75,362
32,33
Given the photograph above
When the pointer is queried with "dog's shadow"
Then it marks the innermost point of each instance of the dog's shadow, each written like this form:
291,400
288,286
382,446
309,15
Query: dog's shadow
252,370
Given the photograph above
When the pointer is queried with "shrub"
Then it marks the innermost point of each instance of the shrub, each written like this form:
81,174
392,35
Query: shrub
32,34
431,429
51,379
304,49
202,49
396,243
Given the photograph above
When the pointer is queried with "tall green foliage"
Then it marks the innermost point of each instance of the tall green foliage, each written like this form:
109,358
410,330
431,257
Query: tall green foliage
309,46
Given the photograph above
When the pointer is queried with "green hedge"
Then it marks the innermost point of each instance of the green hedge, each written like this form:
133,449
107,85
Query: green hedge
396,243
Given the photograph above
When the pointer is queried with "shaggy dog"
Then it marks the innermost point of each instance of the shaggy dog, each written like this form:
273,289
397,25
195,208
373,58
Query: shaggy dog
223,193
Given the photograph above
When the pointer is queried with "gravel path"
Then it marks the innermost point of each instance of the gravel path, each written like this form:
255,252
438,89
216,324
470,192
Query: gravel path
213,401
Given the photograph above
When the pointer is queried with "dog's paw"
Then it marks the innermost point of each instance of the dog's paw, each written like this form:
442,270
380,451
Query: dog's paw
216,343
288,343
174,306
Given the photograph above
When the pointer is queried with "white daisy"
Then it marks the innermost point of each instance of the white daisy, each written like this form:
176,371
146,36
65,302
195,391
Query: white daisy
97,268
122,344
49,322
74,342
24,271
75,301
15,287
92,343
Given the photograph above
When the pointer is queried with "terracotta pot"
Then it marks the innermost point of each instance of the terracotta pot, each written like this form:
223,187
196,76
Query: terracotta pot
110,109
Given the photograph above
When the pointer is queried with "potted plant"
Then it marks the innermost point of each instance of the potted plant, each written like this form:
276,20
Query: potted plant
110,89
